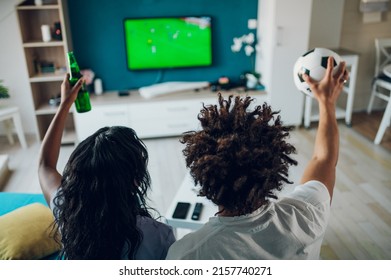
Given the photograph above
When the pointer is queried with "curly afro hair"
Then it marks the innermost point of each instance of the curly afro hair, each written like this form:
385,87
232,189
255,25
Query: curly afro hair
240,157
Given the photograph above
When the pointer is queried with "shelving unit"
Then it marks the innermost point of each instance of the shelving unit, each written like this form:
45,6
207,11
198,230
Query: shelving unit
45,85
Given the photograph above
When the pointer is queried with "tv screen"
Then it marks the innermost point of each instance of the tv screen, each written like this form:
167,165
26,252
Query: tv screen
168,42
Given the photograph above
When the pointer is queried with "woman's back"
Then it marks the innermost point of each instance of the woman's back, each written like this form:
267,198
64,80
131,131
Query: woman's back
157,239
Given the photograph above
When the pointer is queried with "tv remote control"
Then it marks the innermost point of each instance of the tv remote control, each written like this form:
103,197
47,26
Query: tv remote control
197,211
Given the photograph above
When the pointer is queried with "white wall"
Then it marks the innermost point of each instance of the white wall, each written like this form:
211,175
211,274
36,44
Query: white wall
13,70
360,37
326,23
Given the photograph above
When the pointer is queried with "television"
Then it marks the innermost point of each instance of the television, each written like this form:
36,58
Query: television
168,42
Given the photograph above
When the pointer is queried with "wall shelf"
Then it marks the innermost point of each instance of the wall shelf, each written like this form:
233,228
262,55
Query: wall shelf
37,8
47,77
37,44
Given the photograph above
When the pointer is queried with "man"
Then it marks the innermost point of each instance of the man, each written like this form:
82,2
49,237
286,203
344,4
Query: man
240,159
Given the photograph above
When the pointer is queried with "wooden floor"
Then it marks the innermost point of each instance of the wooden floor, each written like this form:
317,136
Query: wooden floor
360,224
368,124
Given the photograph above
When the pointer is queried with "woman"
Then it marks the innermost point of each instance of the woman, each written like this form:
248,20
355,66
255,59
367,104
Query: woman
99,202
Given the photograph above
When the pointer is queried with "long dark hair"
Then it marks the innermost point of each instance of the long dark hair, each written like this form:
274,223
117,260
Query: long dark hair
103,190
240,157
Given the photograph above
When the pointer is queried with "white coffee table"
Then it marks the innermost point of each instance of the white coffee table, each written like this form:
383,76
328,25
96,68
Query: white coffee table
187,192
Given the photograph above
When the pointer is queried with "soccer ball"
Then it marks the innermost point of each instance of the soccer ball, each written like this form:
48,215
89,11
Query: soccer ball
314,64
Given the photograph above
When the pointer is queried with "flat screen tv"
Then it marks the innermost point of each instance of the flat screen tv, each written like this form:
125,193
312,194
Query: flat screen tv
168,42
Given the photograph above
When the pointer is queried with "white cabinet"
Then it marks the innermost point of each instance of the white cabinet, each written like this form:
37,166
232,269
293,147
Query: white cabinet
283,34
165,116
108,115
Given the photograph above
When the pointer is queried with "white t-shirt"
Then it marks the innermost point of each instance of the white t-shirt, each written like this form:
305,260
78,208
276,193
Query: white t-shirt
290,228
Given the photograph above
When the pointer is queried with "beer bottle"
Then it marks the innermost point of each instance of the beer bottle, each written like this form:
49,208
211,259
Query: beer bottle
82,102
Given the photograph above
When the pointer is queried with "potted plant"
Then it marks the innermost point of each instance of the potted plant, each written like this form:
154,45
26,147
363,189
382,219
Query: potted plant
3,91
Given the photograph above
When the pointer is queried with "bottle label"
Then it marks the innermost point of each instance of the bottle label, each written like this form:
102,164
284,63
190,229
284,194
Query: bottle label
82,102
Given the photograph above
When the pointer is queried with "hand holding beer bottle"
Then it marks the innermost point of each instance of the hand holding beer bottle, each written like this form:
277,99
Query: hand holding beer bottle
82,102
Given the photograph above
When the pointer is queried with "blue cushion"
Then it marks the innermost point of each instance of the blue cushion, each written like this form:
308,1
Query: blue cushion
54,256
11,201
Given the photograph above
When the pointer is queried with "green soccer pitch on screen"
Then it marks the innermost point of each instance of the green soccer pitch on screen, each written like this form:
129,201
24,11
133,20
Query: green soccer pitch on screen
169,42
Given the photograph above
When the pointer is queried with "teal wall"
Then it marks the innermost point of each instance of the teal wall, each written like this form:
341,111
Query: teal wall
98,38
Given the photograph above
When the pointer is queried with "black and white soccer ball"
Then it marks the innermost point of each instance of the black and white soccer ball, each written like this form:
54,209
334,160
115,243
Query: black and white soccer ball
314,64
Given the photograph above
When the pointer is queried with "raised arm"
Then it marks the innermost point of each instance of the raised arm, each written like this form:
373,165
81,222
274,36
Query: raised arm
322,166
49,177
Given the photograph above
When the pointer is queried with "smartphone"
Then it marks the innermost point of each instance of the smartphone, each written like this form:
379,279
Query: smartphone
181,210
197,211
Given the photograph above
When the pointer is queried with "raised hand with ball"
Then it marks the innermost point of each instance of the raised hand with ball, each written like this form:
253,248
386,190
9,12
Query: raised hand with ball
322,166
314,64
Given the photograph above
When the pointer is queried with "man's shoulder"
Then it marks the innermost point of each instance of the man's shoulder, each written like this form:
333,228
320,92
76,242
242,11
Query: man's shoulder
312,192
193,241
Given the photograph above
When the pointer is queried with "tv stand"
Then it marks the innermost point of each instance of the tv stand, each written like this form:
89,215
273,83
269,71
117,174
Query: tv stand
170,87
167,116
